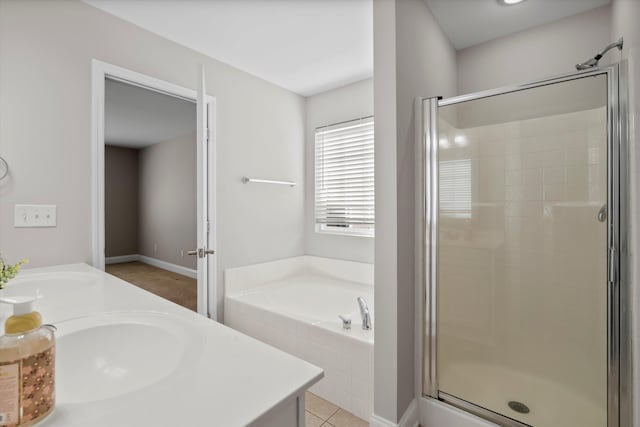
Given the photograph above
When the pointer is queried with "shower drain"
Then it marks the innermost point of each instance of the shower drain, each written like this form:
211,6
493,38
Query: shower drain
519,407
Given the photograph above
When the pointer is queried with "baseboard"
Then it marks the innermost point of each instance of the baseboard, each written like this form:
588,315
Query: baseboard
409,418
168,266
378,421
121,258
189,272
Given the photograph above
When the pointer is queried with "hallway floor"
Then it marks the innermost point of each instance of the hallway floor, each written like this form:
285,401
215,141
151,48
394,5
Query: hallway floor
175,287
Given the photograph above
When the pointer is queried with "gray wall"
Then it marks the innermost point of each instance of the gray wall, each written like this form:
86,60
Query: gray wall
625,15
121,201
167,222
150,201
46,47
412,57
338,105
536,53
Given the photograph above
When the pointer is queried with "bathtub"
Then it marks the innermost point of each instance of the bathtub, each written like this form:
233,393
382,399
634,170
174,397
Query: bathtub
293,304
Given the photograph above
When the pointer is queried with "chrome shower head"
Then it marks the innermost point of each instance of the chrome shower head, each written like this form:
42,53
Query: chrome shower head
593,62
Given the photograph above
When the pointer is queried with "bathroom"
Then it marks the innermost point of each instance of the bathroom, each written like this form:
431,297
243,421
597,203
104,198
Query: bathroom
270,124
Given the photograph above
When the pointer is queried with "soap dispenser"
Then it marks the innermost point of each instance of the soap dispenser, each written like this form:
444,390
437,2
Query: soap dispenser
27,366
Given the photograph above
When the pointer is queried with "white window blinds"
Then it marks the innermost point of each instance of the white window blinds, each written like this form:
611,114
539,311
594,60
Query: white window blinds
345,177
455,188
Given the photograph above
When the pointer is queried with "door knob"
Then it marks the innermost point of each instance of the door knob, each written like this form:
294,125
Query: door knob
202,252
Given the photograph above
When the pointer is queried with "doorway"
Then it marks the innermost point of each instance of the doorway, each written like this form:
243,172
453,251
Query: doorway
150,191
154,186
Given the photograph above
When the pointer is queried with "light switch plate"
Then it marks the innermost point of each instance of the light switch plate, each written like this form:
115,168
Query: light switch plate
35,216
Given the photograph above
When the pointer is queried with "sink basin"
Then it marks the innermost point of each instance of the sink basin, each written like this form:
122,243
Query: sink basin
53,287
49,284
107,355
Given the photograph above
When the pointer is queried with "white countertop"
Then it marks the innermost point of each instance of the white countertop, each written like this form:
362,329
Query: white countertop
230,379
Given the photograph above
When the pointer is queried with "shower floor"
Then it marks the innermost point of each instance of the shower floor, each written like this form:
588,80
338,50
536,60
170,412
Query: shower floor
550,404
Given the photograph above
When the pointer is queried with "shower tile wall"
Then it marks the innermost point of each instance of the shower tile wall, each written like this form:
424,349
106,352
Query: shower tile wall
520,255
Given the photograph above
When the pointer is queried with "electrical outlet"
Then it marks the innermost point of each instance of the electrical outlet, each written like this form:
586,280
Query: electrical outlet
155,248
29,216
181,253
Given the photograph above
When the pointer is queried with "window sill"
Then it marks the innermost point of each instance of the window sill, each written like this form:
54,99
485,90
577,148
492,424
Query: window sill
344,233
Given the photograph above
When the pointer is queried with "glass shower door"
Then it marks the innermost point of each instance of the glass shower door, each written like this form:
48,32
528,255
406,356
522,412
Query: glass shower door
521,305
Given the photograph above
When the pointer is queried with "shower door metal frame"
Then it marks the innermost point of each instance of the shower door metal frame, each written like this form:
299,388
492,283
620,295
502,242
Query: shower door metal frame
619,303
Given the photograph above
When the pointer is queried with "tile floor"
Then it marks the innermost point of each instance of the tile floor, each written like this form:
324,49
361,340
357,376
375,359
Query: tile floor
176,288
320,412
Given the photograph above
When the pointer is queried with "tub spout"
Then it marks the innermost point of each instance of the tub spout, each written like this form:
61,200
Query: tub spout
364,312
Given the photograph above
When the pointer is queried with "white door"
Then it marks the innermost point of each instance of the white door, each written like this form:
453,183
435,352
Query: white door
205,251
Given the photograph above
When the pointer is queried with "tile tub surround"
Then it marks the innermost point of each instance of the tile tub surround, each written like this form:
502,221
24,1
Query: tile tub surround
220,385
293,304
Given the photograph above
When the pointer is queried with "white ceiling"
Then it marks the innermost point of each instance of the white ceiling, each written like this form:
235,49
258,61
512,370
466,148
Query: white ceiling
306,46
136,117
310,46
470,22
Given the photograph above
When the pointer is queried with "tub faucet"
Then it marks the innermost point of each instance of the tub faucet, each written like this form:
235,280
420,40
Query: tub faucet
364,313
346,323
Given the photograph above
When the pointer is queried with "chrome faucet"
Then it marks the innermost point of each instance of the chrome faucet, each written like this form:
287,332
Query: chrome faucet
364,313
346,323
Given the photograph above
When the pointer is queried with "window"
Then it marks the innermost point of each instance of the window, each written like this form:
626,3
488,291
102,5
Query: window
344,178
455,188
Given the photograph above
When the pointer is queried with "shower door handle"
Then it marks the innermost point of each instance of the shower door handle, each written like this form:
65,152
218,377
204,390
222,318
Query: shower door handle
602,213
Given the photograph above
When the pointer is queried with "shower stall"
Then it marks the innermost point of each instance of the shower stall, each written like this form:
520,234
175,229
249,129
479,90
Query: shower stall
521,251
